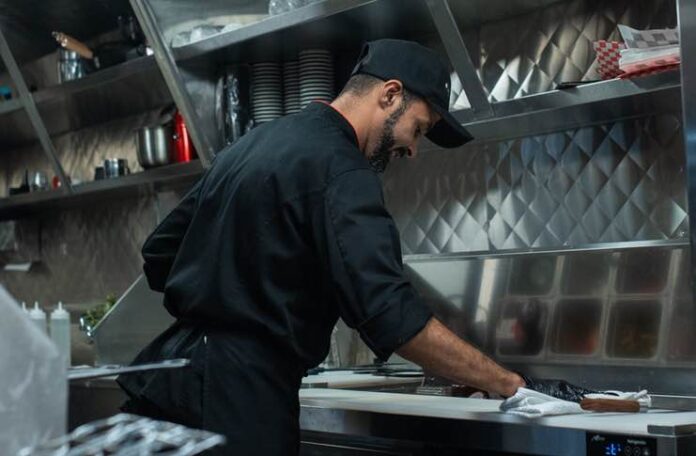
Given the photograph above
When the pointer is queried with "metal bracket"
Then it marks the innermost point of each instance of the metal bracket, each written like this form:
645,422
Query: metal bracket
459,56
167,65
29,106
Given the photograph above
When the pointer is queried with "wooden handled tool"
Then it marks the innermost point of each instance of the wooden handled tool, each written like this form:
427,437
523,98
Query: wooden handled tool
610,405
71,43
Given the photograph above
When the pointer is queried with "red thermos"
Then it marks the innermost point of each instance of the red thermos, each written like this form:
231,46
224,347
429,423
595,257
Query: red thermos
183,147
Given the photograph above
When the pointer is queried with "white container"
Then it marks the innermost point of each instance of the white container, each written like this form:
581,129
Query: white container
60,332
38,316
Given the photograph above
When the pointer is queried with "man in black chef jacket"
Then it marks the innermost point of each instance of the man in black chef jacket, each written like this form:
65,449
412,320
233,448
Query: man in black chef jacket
286,232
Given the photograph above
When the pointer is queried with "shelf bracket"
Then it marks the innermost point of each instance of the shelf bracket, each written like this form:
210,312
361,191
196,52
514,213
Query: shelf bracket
686,13
459,56
29,106
167,65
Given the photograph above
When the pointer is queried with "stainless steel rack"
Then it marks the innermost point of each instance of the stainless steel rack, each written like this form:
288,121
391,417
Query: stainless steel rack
141,183
97,98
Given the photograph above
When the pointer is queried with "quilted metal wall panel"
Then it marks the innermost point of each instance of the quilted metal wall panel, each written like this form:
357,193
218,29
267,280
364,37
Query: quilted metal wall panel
534,52
619,182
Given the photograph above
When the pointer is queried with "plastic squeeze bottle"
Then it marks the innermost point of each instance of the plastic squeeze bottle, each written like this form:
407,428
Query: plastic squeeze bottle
38,316
60,332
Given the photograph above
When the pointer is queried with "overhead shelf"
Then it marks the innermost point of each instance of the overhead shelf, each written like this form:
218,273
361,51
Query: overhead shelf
556,110
342,25
386,17
19,206
132,87
335,24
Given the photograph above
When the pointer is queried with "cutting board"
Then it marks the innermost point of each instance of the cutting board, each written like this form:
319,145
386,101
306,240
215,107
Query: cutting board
348,379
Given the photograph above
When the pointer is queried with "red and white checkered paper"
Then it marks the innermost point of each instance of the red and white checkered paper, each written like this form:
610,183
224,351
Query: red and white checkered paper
608,54
637,73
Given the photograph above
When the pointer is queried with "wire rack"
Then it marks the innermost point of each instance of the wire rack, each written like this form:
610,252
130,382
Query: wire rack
128,435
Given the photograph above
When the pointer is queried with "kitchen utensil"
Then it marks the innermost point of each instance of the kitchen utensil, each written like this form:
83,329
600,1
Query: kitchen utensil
99,173
610,405
72,44
115,167
56,183
235,115
39,181
79,373
70,66
24,186
125,434
103,56
183,147
154,145
657,401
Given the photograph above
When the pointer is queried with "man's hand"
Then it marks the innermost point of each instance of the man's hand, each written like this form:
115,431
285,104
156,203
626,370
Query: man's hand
557,388
439,350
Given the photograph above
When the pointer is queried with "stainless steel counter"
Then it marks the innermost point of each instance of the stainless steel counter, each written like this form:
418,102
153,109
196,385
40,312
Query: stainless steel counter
436,425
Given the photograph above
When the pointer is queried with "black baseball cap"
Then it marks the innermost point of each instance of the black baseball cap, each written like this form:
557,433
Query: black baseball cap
423,73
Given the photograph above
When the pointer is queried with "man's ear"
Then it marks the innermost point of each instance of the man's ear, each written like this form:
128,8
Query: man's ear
392,90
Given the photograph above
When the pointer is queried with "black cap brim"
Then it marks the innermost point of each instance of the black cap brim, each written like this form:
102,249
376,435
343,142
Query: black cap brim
447,132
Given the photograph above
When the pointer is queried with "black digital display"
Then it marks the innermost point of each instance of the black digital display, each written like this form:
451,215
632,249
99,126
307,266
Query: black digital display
619,445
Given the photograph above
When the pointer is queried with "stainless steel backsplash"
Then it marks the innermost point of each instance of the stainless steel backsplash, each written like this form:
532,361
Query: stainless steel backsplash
619,182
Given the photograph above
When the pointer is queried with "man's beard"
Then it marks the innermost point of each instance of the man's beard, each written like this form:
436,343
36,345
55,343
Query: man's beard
379,159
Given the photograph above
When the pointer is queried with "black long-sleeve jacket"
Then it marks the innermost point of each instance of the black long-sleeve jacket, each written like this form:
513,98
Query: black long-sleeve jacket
286,232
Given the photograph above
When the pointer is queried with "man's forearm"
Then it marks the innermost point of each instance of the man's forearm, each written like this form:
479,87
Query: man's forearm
440,351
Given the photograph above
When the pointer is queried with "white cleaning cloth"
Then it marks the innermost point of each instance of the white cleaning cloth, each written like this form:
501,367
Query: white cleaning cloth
532,404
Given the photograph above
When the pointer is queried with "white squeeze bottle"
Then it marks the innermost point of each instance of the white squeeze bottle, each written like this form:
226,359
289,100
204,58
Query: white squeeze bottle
38,316
60,332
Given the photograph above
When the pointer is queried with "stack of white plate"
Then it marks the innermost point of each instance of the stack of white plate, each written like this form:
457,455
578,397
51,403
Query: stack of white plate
291,87
266,92
316,76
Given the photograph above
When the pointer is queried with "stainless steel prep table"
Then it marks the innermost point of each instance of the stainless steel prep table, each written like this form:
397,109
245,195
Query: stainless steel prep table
440,425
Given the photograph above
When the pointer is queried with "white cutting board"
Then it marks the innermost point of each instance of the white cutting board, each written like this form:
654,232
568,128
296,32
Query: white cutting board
485,410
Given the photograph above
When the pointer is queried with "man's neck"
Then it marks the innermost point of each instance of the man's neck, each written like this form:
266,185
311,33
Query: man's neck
352,112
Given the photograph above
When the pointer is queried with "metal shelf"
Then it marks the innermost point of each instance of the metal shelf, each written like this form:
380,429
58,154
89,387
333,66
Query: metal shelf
396,15
338,25
341,26
274,24
570,108
129,88
9,106
97,79
145,182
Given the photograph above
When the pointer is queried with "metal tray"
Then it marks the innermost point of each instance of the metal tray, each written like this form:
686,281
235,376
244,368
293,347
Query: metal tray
643,271
634,329
521,327
577,326
532,275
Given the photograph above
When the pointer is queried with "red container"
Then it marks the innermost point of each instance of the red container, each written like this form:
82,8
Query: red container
183,146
